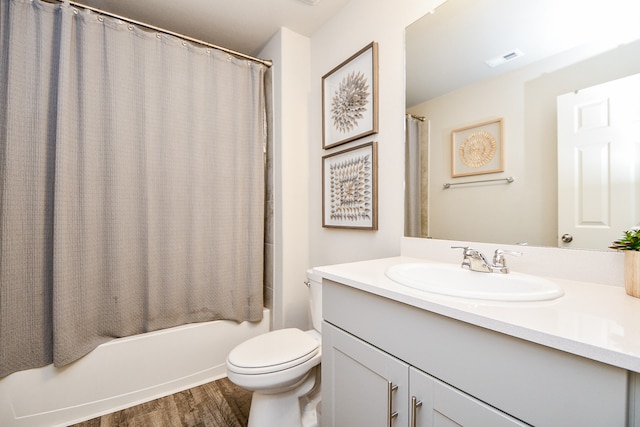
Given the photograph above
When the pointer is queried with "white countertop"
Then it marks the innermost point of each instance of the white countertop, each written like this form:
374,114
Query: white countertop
595,321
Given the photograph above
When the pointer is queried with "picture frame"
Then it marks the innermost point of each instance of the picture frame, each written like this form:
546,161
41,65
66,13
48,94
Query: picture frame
478,149
350,188
350,98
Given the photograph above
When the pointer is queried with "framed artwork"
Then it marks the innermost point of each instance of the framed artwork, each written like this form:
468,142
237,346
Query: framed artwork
350,98
350,188
477,149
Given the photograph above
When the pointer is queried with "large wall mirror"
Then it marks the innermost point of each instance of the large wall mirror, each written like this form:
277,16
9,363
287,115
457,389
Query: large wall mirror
511,61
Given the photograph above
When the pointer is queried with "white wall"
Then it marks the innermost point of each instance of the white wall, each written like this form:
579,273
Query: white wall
290,53
357,24
494,212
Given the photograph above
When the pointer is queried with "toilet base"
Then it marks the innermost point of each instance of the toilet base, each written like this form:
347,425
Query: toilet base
284,409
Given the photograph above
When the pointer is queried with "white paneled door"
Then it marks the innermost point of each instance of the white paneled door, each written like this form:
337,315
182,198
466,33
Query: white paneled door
598,163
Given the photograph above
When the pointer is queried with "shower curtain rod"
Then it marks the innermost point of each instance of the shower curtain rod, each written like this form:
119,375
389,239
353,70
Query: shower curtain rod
266,62
422,119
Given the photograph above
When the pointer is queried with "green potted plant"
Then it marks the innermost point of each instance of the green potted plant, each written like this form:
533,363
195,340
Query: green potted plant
630,244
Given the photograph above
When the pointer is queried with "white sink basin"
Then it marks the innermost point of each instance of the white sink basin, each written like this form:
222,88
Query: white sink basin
455,281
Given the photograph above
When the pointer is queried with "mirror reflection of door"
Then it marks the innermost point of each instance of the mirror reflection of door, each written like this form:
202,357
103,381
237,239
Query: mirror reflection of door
598,130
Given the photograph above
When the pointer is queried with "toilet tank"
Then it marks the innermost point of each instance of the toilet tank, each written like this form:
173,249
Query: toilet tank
314,282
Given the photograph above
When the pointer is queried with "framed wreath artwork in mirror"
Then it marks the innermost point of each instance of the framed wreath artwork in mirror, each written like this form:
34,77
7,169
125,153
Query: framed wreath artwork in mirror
350,98
477,149
350,188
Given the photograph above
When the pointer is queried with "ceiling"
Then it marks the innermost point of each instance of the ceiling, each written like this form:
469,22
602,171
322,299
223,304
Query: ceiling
241,25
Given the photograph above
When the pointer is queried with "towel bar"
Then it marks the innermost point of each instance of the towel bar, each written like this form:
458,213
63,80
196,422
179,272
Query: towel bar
508,180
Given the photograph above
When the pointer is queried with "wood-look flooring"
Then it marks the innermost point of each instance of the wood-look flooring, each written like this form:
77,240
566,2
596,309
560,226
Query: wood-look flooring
216,404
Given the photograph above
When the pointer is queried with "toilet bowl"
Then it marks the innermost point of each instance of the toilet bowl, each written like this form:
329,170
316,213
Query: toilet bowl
282,369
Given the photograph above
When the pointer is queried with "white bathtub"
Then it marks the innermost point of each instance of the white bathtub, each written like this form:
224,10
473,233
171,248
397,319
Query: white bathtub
122,373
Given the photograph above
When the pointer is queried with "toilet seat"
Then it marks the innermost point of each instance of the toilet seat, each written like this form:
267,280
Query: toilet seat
272,352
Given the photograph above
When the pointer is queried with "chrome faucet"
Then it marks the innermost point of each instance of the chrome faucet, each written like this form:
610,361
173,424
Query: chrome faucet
474,260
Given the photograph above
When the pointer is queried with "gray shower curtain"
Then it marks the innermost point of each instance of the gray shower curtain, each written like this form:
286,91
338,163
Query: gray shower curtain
412,177
131,183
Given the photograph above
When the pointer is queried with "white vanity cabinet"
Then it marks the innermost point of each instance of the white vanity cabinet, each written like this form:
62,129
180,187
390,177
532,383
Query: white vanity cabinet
434,403
368,387
378,353
371,388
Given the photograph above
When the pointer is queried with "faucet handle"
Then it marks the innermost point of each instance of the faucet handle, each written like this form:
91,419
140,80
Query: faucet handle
465,249
470,252
473,259
498,256
466,253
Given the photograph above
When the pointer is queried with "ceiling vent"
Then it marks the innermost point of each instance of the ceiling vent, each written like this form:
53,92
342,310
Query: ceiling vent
499,60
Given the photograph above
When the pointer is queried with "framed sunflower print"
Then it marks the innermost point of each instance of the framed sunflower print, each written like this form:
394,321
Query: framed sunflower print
350,98
350,188
477,149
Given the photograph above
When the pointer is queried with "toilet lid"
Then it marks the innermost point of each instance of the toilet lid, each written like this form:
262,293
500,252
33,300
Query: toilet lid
274,351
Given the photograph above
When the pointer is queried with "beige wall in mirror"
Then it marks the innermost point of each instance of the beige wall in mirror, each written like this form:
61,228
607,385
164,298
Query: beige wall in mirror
525,98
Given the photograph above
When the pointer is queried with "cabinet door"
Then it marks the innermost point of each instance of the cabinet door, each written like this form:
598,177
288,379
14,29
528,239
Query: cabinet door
362,386
444,406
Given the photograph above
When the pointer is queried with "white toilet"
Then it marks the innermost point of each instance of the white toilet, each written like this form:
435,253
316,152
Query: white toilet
282,369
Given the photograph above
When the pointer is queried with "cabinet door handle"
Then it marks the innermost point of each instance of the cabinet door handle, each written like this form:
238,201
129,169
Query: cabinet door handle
415,404
391,415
